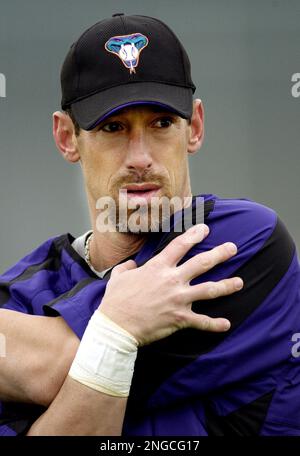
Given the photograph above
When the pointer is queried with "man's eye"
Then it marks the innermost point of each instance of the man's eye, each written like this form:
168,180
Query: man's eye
111,127
165,122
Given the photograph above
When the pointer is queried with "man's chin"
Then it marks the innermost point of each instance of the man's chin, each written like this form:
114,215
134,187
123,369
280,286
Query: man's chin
144,221
153,216
138,225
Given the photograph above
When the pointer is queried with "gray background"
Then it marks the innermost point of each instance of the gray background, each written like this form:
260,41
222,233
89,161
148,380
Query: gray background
243,55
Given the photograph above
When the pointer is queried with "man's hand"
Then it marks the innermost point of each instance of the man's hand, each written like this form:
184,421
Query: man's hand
150,302
154,300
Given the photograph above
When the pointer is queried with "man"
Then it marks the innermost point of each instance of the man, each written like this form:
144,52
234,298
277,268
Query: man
130,120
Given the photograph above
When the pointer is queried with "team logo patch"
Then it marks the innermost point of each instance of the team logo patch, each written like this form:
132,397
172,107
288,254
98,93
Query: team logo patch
127,48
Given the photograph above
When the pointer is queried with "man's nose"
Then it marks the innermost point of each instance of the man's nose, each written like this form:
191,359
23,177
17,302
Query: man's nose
138,155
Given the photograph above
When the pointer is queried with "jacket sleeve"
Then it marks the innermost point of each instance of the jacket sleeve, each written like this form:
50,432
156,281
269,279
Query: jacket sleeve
244,381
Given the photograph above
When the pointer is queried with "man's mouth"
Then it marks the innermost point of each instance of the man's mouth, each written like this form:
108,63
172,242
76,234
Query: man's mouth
145,191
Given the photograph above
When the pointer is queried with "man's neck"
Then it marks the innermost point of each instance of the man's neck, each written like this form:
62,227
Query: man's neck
108,249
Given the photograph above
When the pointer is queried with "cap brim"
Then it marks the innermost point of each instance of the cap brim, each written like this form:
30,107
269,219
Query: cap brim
90,111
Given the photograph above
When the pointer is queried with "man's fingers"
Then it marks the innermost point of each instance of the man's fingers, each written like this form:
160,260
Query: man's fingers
205,261
205,323
179,246
126,266
212,290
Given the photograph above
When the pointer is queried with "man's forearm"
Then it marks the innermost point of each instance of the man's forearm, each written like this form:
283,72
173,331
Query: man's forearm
36,347
79,410
93,398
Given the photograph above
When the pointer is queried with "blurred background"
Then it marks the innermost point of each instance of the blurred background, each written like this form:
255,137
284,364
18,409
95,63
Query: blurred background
243,54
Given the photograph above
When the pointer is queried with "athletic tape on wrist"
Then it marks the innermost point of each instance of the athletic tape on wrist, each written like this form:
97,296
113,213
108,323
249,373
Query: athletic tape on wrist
105,357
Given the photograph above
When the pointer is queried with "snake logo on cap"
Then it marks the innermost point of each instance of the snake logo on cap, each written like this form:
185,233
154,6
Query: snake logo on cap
127,48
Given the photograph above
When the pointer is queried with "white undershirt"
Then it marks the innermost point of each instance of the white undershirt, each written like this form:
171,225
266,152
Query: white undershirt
79,244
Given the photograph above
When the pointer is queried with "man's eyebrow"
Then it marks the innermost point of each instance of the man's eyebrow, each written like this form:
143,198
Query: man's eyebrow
152,109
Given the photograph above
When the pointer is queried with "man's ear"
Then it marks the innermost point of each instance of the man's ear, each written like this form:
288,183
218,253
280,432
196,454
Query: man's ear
64,136
196,127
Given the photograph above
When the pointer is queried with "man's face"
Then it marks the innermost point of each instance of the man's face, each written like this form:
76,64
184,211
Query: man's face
141,149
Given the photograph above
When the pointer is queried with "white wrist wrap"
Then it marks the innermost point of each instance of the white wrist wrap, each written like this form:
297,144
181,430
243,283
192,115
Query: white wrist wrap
105,357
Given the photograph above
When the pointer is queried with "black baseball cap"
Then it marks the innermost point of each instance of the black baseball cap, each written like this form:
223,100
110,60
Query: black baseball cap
123,61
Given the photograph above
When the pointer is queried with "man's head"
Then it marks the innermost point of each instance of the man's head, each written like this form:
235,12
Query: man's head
128,111
121,61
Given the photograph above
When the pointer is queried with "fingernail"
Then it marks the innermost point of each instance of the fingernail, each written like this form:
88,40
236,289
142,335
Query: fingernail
231,247
199,229
206,230
238,283
196,233
226,325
